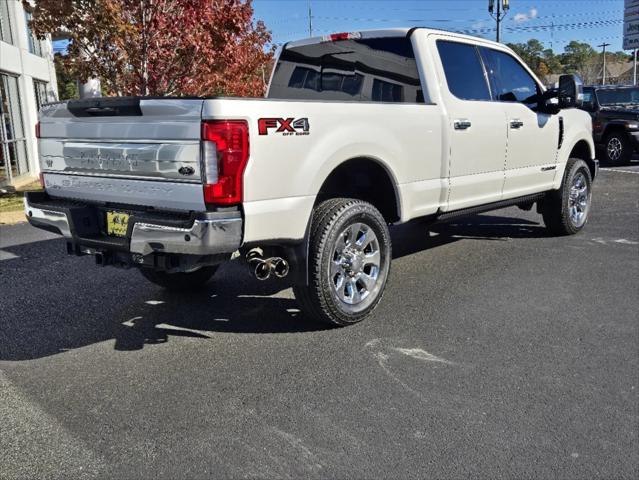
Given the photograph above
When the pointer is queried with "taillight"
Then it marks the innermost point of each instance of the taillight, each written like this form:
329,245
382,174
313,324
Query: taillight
37,130
225,148
336,37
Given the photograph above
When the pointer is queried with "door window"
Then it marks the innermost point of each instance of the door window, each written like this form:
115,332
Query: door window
463,69
510,80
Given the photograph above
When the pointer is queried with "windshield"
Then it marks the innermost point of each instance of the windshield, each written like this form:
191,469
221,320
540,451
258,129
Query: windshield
620,96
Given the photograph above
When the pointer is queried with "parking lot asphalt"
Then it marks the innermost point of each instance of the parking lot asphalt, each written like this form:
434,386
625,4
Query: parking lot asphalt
498,352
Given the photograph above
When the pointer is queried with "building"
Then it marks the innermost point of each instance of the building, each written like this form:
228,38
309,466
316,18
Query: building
27,80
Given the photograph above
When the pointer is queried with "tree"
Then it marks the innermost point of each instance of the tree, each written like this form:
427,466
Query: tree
542,61
577,56
67,84
161,47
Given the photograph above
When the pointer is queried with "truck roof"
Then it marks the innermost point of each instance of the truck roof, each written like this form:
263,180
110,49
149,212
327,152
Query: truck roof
386,32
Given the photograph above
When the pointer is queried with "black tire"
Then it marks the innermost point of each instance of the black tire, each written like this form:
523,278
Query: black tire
180,282
617,149
345,283
560,210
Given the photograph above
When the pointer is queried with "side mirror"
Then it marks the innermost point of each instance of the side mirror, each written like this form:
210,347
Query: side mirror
571,91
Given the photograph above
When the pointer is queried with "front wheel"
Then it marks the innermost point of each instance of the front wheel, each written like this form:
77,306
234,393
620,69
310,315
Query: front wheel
349,262
618,150
566,210
182,281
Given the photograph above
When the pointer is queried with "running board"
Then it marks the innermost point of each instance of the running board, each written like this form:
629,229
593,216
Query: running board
491,206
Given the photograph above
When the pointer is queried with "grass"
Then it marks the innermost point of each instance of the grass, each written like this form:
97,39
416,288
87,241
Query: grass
13,202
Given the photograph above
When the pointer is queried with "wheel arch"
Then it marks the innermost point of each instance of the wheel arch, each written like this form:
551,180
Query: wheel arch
579,146
613,127
583,149
366,178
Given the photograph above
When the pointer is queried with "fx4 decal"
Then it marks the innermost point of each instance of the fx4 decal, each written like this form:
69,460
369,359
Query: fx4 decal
285,126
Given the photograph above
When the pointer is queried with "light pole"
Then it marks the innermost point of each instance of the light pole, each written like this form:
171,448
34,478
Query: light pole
499,13
603,46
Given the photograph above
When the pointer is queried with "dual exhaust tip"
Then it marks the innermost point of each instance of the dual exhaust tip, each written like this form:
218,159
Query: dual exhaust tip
263,268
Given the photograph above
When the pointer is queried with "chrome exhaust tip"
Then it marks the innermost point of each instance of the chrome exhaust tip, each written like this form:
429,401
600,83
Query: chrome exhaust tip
262,270
280,267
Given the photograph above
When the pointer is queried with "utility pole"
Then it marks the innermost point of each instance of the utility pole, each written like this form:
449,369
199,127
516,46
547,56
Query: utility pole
499,13
603,46
634,68
310,20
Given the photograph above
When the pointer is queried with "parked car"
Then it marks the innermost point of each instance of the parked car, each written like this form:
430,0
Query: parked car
615,120
357,131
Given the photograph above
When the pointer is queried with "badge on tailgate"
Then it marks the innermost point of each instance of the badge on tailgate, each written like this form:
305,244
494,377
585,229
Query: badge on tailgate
117,223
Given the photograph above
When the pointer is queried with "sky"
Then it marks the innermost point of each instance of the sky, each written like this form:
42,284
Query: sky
553,22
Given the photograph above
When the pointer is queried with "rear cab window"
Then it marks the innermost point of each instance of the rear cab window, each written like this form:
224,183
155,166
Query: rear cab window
365,70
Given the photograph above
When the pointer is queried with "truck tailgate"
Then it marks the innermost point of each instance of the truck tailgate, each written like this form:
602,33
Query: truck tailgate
138,151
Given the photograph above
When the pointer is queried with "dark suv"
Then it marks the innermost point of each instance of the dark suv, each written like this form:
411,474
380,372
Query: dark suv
615,120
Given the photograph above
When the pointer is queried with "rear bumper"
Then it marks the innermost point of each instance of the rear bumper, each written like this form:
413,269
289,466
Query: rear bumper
201,234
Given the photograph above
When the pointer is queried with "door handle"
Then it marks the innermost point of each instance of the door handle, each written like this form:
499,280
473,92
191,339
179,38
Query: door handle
516,123
461,124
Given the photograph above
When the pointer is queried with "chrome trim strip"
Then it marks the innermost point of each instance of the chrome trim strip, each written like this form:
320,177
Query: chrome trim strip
162,195
123,176
158,160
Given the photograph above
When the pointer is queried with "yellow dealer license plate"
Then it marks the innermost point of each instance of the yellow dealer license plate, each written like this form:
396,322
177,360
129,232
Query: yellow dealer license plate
117,223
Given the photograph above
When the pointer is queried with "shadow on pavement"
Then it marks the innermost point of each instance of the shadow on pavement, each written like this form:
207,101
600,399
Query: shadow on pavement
416,236
55,303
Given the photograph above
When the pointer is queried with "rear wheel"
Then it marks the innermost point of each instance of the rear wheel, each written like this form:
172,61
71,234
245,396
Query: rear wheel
349,262
566,210
617,148
180,282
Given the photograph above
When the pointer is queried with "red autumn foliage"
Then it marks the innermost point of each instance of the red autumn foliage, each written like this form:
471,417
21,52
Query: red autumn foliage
161,47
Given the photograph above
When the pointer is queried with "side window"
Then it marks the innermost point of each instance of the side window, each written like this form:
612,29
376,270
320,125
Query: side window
511,81
463,70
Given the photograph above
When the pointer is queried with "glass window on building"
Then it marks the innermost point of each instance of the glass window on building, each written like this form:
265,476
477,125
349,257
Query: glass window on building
35,45
5,23
13,144
42,93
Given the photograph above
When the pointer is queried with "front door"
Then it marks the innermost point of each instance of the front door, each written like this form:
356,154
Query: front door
477,128
532,136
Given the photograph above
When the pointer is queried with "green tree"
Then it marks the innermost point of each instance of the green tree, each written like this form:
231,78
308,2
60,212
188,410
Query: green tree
542,61
577,56
67,84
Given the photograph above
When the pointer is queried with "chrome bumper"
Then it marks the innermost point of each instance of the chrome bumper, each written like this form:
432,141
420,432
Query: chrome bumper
206,237
211,233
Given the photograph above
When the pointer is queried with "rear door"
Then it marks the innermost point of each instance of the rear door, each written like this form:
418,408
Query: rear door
477,127
532,136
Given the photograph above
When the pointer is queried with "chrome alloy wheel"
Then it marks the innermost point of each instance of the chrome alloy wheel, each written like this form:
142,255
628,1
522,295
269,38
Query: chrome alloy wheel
355,264
579,200
614,149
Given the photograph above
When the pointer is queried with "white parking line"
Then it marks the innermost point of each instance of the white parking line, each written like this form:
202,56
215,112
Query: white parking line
4,255
618,170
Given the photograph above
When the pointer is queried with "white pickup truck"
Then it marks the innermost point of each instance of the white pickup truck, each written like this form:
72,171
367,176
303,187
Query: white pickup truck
358,131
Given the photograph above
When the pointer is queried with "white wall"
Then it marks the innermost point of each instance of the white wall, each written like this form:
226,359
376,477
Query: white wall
17,60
